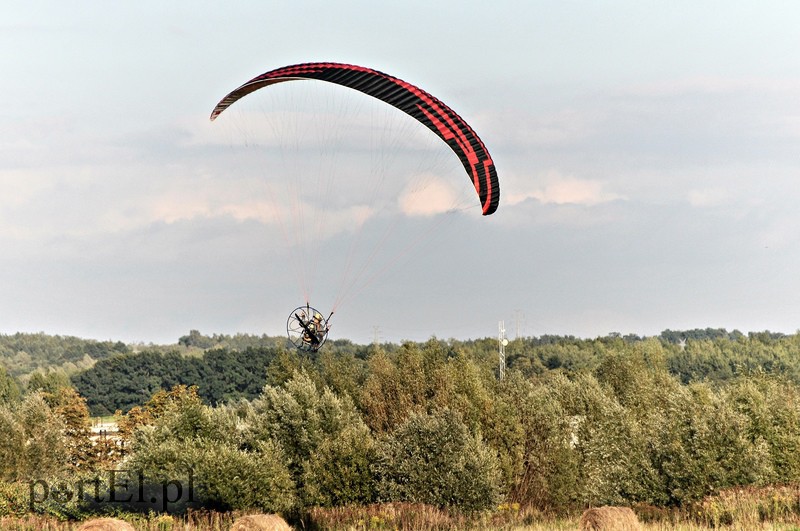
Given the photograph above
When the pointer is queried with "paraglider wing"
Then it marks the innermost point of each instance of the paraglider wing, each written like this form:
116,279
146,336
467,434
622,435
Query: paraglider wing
410,99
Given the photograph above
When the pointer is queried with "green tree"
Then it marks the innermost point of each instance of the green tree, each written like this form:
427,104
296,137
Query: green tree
186,437
9,391
196,339
389,395
548,465
338,471
701,445
33,443
49,382
433,459
343,373
225,476
71,408
770,404
306,420
182,399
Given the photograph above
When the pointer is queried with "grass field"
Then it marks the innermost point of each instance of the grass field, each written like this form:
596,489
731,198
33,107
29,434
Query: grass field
222,522
764,508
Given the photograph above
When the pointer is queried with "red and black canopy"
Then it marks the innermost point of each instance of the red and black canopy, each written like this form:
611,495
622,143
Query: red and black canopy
410,99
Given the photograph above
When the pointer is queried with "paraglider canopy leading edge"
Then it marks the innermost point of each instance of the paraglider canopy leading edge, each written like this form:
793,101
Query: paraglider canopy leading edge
306,327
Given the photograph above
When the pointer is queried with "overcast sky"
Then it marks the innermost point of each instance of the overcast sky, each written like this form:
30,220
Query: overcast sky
647,154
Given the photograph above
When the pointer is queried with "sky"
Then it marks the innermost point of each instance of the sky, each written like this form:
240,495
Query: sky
646,153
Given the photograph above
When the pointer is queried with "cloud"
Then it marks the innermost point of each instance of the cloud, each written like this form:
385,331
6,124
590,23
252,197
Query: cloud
19,187
565,191
427,196
714,85
298,220
708,197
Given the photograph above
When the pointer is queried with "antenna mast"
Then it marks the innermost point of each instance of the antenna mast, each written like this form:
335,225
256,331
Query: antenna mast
502,342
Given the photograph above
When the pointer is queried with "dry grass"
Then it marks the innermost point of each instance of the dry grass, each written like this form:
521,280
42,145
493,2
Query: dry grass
767,508
196,521
34,523
750,507
400,516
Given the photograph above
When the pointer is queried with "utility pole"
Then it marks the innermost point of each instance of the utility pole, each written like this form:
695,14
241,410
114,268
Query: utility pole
502,342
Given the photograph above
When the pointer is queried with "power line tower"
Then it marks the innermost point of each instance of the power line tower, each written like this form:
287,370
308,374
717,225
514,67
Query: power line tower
519,319
502,342
376,335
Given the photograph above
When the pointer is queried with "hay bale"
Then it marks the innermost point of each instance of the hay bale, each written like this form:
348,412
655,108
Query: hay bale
106,524
609,519
260,522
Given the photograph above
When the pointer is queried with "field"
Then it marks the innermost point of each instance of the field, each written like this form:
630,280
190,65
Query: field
768,508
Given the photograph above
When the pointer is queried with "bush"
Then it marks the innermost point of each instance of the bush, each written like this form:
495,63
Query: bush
433,459
300,416
14,499
222,476
228,478
32,442
190,442
338,472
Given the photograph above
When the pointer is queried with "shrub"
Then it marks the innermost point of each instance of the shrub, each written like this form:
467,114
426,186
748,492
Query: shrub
229,478
300,416
222,476
338,472
433,459
32,442
14,499
549,465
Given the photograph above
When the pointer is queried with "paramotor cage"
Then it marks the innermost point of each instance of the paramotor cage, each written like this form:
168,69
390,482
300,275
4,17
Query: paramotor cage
307,328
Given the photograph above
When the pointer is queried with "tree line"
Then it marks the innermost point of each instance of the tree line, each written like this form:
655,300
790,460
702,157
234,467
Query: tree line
122,382
614,420
611,422
22,354
222,372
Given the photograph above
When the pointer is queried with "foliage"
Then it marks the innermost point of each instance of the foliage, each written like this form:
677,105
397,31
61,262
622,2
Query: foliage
771,420
338,471
192,443
14,499
122,382
310,424
239,342
9,390
180,399
32,442
22,354
71,408
223,476
424,378
630,432
548,478
48,382
659,422
433,459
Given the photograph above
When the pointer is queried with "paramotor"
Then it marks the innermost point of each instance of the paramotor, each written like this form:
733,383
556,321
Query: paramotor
306,327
